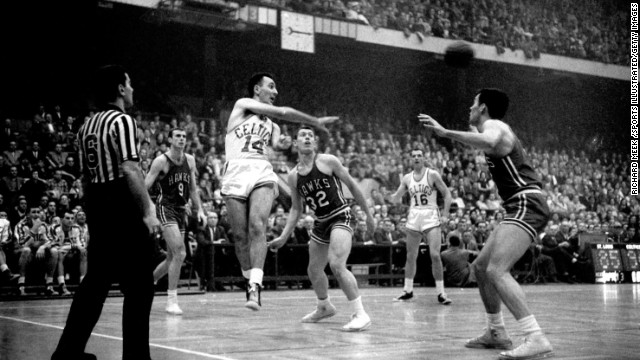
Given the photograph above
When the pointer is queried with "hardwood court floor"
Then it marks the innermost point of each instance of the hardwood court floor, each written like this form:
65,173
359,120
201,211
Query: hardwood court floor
582,322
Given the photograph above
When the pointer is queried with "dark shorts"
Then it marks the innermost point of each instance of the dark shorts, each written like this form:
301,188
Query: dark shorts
169,215
321,232
527,210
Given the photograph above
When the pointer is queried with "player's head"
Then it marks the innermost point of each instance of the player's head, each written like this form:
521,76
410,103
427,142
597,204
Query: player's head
262,87
112,83
490,103
305,140
417,158
177,138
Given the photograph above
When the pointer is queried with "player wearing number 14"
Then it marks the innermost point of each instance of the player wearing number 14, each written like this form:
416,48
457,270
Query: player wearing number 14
249,184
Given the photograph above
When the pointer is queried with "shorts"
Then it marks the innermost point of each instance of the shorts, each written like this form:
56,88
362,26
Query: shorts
169,215
321,232
423,219
241,177
527,209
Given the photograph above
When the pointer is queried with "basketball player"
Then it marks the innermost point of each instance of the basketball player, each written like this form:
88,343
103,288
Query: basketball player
175,172
317,179
249,184
526,214
424,219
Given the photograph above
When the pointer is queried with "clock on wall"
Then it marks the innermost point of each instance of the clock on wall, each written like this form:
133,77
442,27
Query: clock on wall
297,32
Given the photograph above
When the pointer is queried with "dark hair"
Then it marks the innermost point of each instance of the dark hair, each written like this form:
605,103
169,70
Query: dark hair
106,81
173,130
257,79
496,100
454,240
417,149
305,127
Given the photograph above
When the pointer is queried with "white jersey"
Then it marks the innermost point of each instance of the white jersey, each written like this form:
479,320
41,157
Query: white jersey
423,194
249,140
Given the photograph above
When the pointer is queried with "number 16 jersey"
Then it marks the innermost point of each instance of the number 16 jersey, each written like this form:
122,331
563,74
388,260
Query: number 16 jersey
423,195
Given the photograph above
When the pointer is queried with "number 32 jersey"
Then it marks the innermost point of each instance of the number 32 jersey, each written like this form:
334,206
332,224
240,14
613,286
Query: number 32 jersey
322,192
250,139
423,195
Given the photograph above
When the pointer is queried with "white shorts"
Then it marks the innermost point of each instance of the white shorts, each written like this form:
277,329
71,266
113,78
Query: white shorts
423,219
241,177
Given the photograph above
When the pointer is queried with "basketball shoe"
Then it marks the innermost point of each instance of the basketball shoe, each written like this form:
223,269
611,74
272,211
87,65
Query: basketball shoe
253,297
535,346
321,312
443,299
491,339
359,322
406,296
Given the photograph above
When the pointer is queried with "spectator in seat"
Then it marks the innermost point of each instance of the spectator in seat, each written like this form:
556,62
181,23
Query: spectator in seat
469,241
456,263
34,188
57,185
66,237
302,232
33,244
211,234
361,236
81,222
493,203
71,169
559,252
11,184
35,154
12,155
18,212
383,235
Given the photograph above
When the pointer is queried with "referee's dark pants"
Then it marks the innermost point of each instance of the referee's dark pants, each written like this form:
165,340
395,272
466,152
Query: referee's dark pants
120,250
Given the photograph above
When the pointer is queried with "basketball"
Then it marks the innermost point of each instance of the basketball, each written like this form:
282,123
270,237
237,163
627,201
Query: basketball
459,54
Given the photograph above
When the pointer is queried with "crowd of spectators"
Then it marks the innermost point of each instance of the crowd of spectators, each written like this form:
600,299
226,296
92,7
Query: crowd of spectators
39,181
593,29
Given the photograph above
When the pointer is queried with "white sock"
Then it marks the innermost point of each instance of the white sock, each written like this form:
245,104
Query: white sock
81,277
495,320
4,267
356,305
324,302
528,325
60,280
256,276
246,274
172,296
440,286
408,285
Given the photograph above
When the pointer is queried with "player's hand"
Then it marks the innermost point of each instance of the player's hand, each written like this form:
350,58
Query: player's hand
473,129
40,253
285,142
202,218
431,124
326,120
276,243
152,223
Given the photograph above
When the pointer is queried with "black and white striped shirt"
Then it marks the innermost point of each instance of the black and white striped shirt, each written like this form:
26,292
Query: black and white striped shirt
107,140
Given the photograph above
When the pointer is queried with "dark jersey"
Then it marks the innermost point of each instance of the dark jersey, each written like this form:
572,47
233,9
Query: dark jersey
174,186
512,173
322,192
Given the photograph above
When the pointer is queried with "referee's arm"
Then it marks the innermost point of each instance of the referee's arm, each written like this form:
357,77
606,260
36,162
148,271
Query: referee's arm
135,181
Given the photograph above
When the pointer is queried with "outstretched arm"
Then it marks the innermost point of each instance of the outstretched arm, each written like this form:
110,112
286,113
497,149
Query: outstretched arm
487,141
402,189
343,174
285,113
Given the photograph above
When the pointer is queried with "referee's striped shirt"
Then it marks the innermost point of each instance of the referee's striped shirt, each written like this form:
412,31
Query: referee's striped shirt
107,140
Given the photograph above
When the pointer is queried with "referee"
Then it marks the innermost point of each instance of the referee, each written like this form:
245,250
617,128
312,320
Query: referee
121,220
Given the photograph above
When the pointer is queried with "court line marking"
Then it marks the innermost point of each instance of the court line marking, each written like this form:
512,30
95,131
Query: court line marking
185,351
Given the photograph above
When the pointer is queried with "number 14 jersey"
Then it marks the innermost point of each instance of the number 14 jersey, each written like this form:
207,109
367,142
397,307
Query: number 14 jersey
322,192
250,139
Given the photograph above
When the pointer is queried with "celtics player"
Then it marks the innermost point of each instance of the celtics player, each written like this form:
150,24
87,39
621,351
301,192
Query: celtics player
424,219
317,179
175,173
249,184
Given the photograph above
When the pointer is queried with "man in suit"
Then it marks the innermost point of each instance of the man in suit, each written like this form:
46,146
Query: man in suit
383,234
35,154
12,155
211,234
302,234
